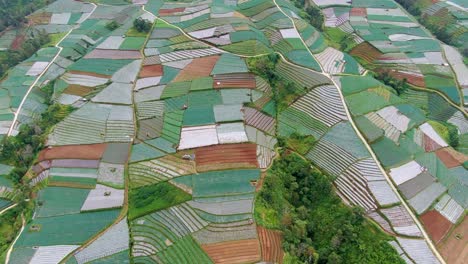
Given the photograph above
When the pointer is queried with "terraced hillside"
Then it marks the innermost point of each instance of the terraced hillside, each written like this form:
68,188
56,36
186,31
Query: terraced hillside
173,130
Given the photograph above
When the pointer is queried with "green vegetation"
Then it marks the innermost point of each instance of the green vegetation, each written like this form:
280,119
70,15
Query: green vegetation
447,131
10,223
133,32
400,86
147,199
300,143
142,25
318,228
112,25
284,91
54,39
10,58
339,39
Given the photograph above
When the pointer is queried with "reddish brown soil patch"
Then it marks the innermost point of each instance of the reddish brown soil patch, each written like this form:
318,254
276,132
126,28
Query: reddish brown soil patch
234,80
226,156
113,54
454,249
79,90
366,52
18,42
199,67
436,225
358,11
450,157
151,71
170,11
411,78
232,252
93,151
91,74
429,144
270,242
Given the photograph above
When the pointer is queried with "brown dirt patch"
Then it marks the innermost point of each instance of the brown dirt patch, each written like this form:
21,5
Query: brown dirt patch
358,11
93,151
232,252
151,71
436,225
450,157
199,67
79,90
226,156
454,249
366,52
234,80
170,11
270,242
411,78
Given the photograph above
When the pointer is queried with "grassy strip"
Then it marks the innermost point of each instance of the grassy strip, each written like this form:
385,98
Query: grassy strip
148,199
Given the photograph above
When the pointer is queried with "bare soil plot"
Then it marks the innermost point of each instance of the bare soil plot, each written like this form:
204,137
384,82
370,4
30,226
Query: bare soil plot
79,90
436,225
270,242
454,248
199,67
450,157
226,156
417,80
234,80
232,252
92,151
151,71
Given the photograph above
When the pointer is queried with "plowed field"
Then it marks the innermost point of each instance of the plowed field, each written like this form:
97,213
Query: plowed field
93,151
234,80
151,71
199,67
240,251
226,156
270,242
436,225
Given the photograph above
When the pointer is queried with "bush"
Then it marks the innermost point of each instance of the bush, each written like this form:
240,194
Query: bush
112,25
142,25
147,199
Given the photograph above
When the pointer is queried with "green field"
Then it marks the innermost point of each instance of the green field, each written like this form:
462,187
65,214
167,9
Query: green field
147,199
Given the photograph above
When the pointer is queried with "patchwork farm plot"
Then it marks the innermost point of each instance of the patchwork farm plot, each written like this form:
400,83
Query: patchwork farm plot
171,130
389,39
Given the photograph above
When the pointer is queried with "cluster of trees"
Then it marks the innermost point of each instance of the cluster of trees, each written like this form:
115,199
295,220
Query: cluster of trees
400,86
284,91
34,42
142,25
317,226
311,13
13,12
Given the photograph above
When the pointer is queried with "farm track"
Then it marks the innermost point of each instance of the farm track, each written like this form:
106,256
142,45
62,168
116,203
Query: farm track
8,208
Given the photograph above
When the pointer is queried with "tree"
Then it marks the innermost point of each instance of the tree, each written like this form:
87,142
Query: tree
142,25
112,25
315,17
